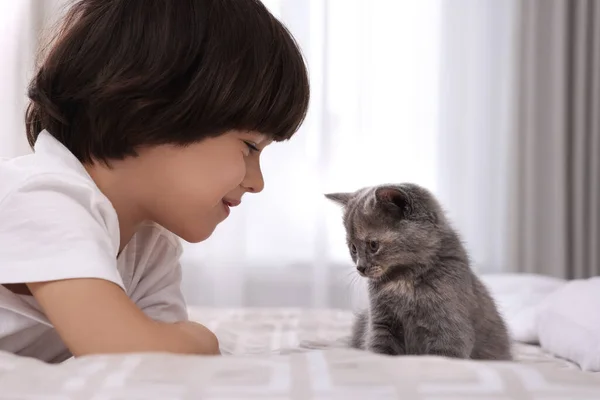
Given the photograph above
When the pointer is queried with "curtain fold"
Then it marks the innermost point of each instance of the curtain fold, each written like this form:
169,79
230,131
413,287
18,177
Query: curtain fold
557,140
583,138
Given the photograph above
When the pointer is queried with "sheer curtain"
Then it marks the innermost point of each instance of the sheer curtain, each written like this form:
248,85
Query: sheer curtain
374,69
477,165
415,91
402,91
17,45
22,24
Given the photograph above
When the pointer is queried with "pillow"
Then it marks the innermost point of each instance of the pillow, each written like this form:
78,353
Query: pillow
518,297
569,323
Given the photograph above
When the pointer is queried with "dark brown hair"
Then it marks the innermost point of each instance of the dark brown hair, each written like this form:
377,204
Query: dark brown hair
127,73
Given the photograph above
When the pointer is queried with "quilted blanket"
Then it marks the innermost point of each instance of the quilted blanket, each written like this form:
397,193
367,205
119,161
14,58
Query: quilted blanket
293,354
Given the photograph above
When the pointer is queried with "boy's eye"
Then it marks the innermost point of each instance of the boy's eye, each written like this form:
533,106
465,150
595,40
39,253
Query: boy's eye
252,146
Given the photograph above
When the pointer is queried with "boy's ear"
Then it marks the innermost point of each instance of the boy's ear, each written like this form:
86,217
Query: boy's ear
340,198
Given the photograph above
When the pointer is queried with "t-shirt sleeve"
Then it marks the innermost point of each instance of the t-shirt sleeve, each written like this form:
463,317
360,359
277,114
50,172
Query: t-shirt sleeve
57,227
157,289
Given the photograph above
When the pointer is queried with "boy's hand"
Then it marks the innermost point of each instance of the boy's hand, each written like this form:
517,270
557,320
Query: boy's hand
206,339
95,316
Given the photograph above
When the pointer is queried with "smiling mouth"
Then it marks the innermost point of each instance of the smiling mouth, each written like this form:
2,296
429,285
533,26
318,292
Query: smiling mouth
227,204
231,203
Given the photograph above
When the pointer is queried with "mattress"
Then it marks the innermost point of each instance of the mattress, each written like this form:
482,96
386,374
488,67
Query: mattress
293,354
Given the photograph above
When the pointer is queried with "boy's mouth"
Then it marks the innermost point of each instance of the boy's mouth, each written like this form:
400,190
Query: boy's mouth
227,204
231,203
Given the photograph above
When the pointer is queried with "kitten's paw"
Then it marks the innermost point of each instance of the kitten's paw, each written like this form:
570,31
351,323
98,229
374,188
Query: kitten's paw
451,353
356,342
384,349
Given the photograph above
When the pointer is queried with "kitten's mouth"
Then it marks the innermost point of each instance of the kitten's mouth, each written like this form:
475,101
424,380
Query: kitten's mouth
375,272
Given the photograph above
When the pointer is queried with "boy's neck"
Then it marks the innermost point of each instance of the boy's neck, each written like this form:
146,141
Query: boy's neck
115,184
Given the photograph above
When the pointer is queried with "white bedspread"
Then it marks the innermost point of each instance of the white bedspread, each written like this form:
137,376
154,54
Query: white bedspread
273,356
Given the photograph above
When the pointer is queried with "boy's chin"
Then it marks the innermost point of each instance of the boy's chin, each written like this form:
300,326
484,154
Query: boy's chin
196,234
197,237
193,232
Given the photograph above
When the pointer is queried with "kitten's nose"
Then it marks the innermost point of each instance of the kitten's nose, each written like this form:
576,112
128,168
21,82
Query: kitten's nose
361,269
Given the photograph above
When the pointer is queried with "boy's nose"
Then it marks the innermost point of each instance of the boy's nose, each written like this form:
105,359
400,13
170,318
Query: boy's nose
254,182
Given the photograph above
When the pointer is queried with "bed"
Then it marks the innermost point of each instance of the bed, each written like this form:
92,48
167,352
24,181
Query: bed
293,354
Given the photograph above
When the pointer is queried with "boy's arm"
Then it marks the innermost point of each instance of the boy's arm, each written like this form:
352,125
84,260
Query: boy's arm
59,231
95,316
156,284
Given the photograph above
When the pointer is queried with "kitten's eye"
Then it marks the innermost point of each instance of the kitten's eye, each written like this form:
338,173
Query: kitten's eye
353,249
373,246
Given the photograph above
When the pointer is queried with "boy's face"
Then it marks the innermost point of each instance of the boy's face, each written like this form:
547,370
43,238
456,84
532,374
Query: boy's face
191,189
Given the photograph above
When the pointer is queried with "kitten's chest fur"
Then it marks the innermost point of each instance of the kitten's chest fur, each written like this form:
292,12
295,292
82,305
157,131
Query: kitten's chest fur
399,302
437,314
397,298
394,307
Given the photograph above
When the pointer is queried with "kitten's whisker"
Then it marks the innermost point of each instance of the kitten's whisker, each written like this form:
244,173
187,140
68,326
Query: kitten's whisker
354,280
353,276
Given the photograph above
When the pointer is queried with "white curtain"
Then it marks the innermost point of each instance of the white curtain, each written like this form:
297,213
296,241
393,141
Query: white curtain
401,91
373,118
23,26
477,165
17,47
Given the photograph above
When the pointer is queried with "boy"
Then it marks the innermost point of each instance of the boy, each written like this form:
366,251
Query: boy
147,119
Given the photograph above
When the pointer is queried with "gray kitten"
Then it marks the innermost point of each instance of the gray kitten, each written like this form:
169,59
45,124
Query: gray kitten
423,296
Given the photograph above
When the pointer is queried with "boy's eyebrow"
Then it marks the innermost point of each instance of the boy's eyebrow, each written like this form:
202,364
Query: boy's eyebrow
264,139
264,143
258,138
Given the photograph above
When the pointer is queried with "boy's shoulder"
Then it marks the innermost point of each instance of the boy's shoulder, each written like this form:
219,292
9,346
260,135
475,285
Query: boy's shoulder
24,172
49,196
52,166
53,177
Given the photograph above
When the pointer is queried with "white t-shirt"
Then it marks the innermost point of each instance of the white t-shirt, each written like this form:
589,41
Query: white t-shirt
56,224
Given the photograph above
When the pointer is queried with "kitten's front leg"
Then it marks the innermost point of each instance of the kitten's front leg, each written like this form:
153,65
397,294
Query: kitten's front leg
385,337
359,331
450,348
447,337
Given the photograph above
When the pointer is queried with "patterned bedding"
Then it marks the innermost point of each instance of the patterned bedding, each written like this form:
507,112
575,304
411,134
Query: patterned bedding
293,354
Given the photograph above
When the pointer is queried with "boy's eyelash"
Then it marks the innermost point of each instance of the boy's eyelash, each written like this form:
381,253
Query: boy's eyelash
251,146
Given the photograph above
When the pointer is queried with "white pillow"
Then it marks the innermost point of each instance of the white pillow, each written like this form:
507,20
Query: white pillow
518,297
569,323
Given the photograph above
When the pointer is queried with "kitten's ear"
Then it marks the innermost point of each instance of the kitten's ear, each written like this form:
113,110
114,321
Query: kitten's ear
394,197
340,198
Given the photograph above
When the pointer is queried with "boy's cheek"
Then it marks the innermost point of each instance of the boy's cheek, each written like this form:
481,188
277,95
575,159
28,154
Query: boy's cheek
189,202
